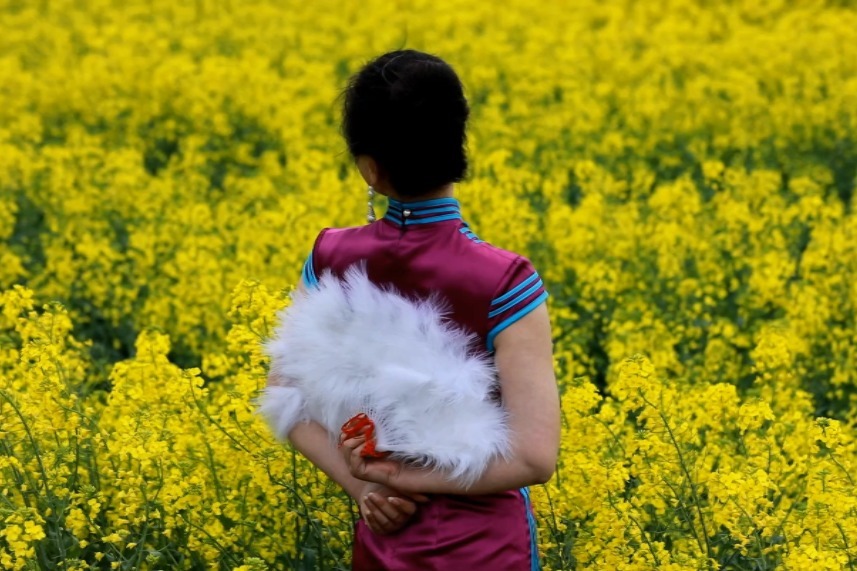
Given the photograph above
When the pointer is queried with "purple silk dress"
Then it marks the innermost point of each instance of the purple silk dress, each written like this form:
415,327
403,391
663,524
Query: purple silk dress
420,248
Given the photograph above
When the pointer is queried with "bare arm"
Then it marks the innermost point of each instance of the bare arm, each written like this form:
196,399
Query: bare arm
524,360
313,441
384,509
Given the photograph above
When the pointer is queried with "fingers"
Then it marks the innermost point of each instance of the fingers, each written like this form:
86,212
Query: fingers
386,515
351,443
419,498
369,469
405,507
356,462
370,519
351,449
395,510
371,522
382,514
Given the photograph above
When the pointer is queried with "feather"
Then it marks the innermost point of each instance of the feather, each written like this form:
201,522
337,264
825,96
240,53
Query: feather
348,346
282,408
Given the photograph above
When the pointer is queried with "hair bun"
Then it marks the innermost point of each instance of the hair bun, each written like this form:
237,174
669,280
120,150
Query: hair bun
407,110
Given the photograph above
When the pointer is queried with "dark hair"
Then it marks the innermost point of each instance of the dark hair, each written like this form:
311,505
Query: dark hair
406,109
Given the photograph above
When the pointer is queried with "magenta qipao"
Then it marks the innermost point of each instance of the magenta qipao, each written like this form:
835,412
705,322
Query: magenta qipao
421,248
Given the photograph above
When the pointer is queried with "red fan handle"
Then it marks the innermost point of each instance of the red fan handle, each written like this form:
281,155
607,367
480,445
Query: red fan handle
362,424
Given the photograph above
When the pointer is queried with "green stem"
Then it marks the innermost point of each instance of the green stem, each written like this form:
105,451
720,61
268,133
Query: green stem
32,441
19,477
847,548
306,509
219,547
841,467
218,488
214,422
789,511
634,520
755,533
683,465
687,512
612,434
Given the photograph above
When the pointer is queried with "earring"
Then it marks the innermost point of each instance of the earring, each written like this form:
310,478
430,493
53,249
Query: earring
370,208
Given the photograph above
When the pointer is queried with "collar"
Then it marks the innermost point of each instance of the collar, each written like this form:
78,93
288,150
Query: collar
423,211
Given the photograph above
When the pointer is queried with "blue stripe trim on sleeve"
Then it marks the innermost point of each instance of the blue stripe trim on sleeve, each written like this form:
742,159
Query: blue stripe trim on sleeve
308,273
512,319
304,276
530,291
516,289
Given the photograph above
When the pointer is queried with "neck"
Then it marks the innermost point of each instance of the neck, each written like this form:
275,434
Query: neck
445,191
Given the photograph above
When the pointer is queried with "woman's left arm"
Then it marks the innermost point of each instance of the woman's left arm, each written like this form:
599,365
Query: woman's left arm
524,360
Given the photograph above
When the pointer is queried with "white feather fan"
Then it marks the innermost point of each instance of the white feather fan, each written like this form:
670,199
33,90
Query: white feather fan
348,346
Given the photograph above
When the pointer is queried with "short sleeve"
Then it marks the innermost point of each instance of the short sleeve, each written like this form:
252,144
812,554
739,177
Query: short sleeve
520,292
311,268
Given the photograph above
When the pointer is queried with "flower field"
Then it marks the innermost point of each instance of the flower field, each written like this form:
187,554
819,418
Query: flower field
682,174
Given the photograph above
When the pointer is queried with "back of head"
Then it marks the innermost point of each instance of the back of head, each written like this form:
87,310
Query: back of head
406,109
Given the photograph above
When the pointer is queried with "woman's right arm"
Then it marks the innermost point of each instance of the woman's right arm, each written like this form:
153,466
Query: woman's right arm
313,441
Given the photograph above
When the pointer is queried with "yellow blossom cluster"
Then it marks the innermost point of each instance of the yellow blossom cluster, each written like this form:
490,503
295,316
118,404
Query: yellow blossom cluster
682,173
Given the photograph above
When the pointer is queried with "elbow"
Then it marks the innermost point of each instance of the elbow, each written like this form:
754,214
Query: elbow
541,468
539,458
542,473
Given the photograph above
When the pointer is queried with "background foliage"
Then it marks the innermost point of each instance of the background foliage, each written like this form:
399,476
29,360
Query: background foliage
682,174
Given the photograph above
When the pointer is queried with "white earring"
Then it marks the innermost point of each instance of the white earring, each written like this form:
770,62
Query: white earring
370,210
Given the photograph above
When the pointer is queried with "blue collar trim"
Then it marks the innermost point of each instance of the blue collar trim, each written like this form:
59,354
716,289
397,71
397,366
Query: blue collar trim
423,211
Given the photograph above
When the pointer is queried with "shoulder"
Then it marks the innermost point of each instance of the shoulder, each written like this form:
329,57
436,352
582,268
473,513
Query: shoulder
330,240
330,235
490,259
333,244
511,282
502,264
518,290
316,261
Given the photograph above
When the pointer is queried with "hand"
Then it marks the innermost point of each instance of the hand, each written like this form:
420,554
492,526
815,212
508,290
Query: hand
375,470
385,510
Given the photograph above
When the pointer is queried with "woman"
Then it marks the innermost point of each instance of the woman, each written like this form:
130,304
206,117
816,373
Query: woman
404,121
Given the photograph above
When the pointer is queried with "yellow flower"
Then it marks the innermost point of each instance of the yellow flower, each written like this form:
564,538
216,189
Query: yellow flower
112,538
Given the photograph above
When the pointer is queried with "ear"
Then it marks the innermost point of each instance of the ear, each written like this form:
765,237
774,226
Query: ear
368,168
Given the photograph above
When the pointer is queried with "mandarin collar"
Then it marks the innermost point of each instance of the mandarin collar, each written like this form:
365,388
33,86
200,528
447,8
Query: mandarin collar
423,211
